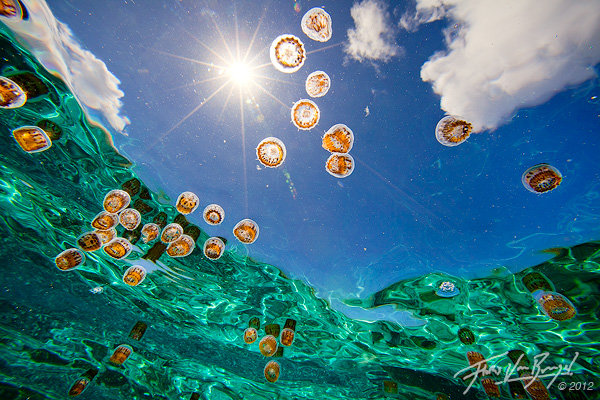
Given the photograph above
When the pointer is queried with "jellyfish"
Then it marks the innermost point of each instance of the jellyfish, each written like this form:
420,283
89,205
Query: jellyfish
130,218
132,186
287,53
120,354
541,178
272,371
556,306
536,389
246,231
107,235
466,336
490,387
305,114
475,357
69,259
181,247
287,334
316,24
187,202
250,335
89,241
160,219
279,352
105,221
254,323
452,131
150,232
83,381
535,281
138,330
516,390
213,248
317,84
31,84
134,275
11,94
118,248
52,129
171,232
519,358
116,200
340,165
390,387
214,214
338,139
447,289
271,152
195,396
272,329
32,139
268,345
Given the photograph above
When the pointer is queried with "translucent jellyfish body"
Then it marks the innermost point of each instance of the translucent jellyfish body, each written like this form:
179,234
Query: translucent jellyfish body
271,152
390,387
134,275
317,84
475,357
246,231
52,129
268,345
105,220
106,235
213,214
171,233
138,330
555,306
116,200
32,139
181,247
447,289
89,241
287,53
340,165
305,114
187,202
466,336
11,9
536,389
338,139
272,371
150,232
541,178
316,24
288,332
120,354
535,281
213,248
118,248
11,94
82,382
130,218
250,335
452,131
69,259
490,387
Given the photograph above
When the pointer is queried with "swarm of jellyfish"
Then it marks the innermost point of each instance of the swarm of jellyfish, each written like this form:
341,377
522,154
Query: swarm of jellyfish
187,202
317,84
116,200
541,178
130,218
555,305
120,354
447,289
69,259
287,334
150,232
89,241
106,235
268,345
82,382
213,248
271,152
118,248
105,220
171,232
316,24
246,231
181,247
340,165
272,371
134,275
338,139
287,53
32,139
11,94
213,214
305,114
452,131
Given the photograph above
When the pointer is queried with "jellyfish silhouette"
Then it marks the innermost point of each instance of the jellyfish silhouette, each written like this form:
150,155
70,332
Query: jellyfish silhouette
181,247
69,259
272,371
138,330
121,354
214,214
52,129
287,53
83,381
116,200
447,289
187,202
171,232
105,221
317,84
316,24
340,165
130,218
390,387
106,235
271,152
89,241
338,139
268,345
150,232
118,248
541,178
32,139
305,114
11,94
246,231
466,336
134,275
452,131
213,248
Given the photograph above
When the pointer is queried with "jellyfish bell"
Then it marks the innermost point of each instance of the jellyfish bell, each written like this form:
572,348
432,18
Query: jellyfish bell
213,248
11,94
390,387
118,248
305,114
213,214
287,53
476,358
541,178
181,247
268,345
288,332
171,232
317,84
254,323
89,241
452,131
250,335
120,354
69,259
105,220
106,235
246,231
134,275
340,165
316,24
150,232
555,305
338,139
466,336
116,200
52,129
272,371
535,281
447,289
271,152
490,387
138,330
130,218
187,202
83,381
32,139
11,9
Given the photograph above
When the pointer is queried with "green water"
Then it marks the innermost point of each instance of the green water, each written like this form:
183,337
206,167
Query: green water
53,328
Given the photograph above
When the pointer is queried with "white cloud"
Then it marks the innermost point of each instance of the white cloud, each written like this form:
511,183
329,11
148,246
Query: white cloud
55,46
372,38
506,55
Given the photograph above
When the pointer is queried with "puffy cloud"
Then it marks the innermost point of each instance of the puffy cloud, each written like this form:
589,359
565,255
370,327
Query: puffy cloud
372,38
506,55
55,46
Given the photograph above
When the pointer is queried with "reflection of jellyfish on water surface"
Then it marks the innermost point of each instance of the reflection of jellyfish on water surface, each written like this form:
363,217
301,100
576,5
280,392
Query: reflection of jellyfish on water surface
447,289
340,165
11,94
287,53
338,139
213,248
272,371
69,259
271,152
541,178
134,275
305,114
316,24
246,231
452,131
317,84
187,202
32,139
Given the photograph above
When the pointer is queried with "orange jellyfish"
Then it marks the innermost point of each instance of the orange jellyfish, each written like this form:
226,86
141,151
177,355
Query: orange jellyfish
69,259
537,390
107,235
287,334
105,221
268,345
214,214
555,306
317,84
490,387
390,387
118,248
116,200
130,218
272,371
181,247
338,139
120,354
187,202
134,275
271,152
452,131
138,330
11,94
287,53
171,232
250,335
541,178
246,231
32,139
340,165
83,381
89,241
316,24
150,232
213,248
305,114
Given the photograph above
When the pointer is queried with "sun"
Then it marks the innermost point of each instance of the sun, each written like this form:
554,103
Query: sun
240,73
